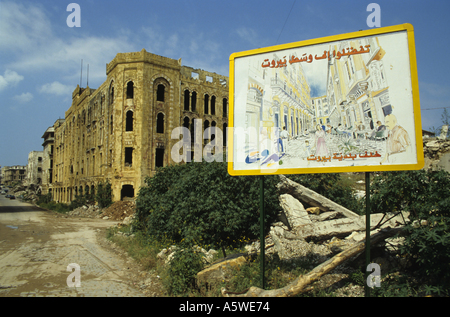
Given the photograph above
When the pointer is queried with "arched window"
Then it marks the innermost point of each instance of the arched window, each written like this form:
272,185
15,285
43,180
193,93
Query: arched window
160,93
129,121
111,94
224,107
160,123
192,130
205,126
206,103
213,105
193,100
213,125
186,100
130,92
224,131
186,122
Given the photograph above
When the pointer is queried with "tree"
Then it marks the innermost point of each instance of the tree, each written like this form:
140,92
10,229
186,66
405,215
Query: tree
103,194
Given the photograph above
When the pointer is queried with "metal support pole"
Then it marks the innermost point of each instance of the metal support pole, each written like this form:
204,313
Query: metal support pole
262,242
366,287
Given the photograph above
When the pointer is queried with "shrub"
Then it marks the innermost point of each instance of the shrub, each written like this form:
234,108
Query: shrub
426,195
44,199
201,204
79,201
103,194
180,276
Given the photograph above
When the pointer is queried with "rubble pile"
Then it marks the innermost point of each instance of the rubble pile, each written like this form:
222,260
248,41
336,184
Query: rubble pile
436,153
320,230
26,192
119,210
91,211
316,233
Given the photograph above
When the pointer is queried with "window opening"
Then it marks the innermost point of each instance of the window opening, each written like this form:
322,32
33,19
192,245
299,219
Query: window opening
129,121
160,123
159,158
193,101
213,105
186,100
130,90
128,156
160,93
127,192
206,103
224,107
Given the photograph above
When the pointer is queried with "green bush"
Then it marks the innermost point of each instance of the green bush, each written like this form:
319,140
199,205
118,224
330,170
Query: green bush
201,204
44,199
426,195
180,277
58,207
79,201
103,194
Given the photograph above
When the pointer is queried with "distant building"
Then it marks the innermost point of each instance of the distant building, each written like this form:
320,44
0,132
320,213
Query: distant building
34,168
428,134
13,174
47,163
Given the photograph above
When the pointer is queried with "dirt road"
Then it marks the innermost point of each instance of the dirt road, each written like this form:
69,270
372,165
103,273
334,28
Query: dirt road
36,247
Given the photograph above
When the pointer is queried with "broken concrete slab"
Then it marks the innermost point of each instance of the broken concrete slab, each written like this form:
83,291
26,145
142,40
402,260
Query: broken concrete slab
295,212
310,197
329,215
336,227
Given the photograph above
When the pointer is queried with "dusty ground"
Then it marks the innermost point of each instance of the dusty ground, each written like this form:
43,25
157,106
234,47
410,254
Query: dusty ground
36,246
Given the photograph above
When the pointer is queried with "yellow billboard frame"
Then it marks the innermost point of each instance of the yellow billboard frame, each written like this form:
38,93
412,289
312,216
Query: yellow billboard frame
325,40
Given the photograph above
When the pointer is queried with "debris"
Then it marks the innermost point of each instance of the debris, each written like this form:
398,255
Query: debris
91,211
299,285
310,197
119,210
295,212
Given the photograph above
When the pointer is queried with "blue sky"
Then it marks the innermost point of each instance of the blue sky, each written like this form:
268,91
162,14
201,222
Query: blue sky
40,56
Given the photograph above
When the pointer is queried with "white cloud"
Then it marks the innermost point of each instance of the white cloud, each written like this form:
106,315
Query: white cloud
9,78
56,88
24,97
30,38
249,35
23,27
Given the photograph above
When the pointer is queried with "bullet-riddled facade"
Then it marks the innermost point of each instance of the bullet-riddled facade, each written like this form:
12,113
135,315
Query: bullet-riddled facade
121,131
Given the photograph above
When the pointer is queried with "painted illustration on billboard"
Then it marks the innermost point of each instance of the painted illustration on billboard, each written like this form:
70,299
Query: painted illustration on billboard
349,104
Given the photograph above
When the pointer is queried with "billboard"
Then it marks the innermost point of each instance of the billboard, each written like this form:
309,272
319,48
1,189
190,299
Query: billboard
344,103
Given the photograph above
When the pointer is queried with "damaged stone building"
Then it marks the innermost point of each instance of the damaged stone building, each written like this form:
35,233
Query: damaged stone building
34,168
121,131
